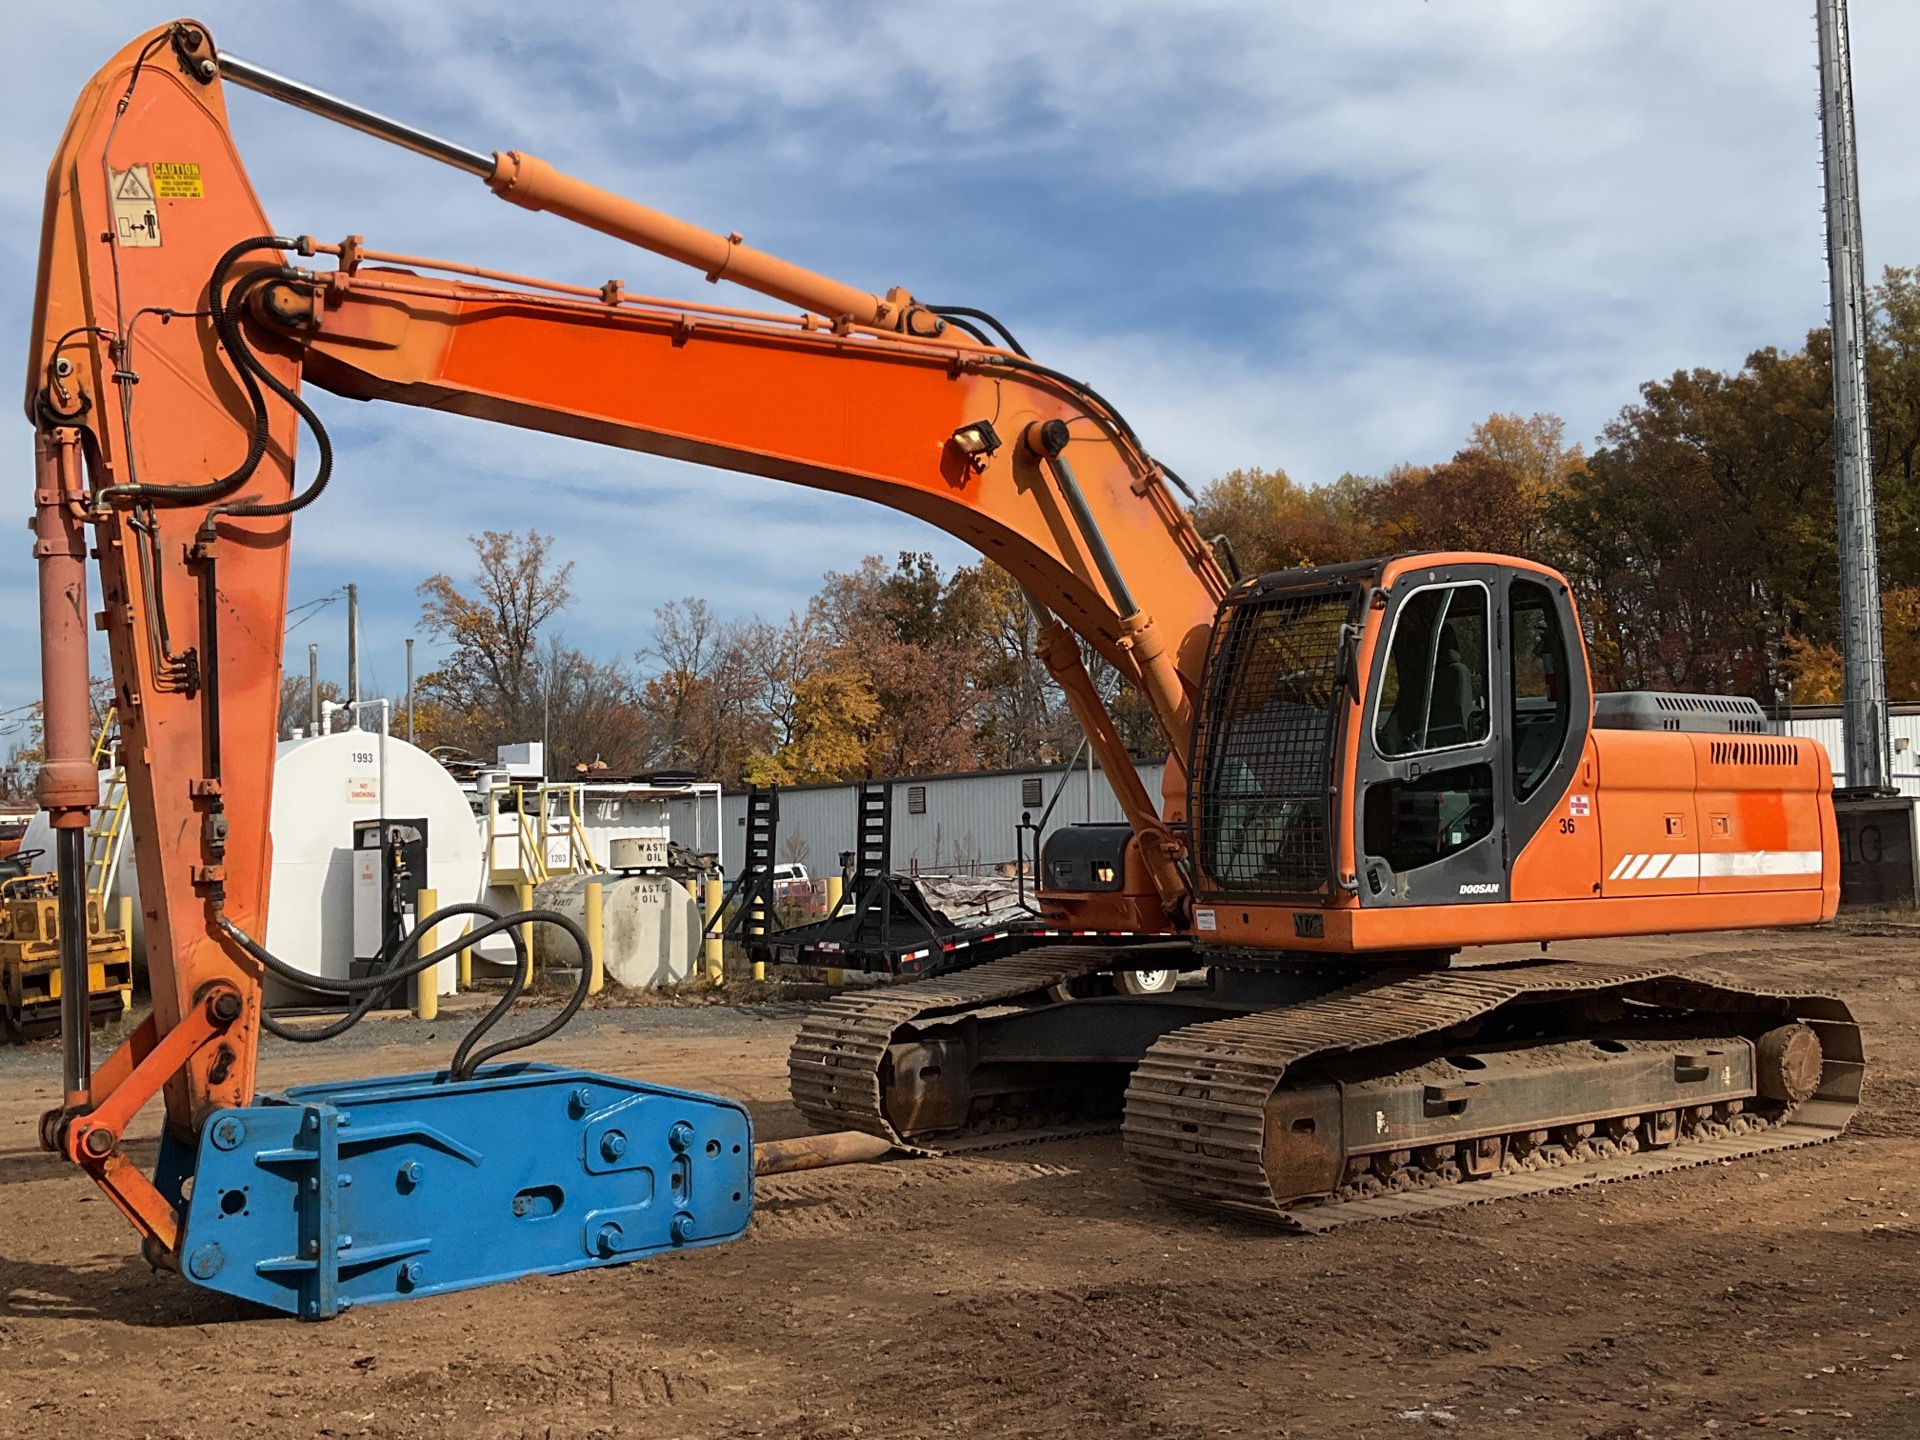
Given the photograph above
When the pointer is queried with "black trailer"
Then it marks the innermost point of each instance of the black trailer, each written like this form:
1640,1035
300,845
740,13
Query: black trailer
884,924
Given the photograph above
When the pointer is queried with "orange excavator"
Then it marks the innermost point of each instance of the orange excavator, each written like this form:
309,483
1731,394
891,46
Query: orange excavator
1373,768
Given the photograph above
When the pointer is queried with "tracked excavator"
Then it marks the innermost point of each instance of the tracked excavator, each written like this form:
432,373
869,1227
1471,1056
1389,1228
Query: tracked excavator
1374,769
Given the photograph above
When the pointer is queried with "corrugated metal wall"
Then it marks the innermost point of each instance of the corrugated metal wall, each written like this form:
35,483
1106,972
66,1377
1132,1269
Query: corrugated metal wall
1827,730
967,825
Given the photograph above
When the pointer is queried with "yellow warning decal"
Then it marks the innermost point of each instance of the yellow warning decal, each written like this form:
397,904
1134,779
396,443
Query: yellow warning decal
177,180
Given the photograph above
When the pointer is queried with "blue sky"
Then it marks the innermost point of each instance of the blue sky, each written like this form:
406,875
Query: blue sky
1317,237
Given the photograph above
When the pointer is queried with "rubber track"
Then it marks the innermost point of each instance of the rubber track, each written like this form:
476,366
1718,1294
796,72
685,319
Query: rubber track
1195,1109
833,1069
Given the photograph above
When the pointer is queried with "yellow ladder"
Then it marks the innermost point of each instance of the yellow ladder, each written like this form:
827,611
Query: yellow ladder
107,835
533,834
579,851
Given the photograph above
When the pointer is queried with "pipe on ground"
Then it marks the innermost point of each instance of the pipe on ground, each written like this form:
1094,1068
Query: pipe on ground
816,1152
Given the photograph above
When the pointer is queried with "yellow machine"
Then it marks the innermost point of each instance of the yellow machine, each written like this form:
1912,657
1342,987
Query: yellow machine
30,959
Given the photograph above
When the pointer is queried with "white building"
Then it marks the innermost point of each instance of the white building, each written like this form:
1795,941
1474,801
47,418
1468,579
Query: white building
1822,723
942,824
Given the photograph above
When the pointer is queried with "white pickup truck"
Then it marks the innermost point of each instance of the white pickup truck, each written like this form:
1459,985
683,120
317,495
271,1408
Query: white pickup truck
792,882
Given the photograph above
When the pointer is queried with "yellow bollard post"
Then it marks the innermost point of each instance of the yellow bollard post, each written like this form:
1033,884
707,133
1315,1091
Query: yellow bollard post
523,897
836,892
754,932
465,982
426,985
596,938
712,952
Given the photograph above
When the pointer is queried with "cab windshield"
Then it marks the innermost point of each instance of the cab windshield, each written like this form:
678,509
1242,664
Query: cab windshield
1265,744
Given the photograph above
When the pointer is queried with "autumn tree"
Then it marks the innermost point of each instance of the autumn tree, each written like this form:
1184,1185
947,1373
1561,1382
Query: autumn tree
591,713
1273,523
19,772
909,634
1020,715
700,699
833,714
1495,494
1700,535
506,677
494,630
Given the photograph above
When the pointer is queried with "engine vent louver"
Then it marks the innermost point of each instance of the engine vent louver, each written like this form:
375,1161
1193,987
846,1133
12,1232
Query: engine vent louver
1755,752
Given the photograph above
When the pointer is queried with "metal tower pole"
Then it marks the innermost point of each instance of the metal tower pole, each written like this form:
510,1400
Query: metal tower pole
1865,692
353,657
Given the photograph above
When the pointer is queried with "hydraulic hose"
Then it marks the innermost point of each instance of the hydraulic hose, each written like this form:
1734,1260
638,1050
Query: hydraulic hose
223,309
367,989
960,314
242,351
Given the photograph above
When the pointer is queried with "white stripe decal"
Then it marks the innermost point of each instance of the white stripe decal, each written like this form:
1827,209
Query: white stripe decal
1748,863
1731,864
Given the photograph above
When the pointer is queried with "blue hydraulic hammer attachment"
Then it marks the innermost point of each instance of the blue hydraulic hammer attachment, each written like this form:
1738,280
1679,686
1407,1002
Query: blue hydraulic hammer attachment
330,1196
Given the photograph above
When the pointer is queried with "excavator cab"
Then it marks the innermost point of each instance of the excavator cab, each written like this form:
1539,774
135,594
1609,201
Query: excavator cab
1392,731
1407,756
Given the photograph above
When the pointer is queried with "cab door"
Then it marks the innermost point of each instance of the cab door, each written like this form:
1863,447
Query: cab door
1430,771
1478,714
1553,816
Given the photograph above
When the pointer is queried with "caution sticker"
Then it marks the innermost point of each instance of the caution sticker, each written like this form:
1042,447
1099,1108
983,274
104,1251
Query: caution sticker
136,218
177,180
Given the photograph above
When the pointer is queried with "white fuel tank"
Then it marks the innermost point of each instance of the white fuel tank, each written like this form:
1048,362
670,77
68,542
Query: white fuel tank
322,784
650,926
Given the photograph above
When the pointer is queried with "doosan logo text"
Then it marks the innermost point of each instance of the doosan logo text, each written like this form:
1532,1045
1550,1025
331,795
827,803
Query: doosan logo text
1488,887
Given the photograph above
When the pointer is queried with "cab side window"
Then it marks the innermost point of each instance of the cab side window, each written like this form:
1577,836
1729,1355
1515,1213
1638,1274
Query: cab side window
1542,698
1433,694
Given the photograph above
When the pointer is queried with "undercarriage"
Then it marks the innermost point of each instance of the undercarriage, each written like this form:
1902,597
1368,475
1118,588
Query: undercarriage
1311,1095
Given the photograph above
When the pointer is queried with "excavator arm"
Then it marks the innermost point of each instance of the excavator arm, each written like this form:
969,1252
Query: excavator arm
173,330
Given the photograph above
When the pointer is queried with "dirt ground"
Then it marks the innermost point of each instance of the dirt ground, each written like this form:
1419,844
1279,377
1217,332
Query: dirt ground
1039,1291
